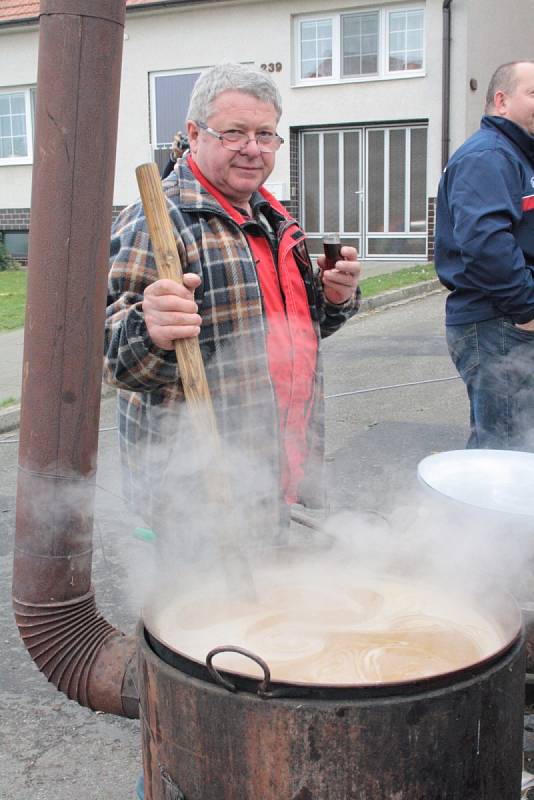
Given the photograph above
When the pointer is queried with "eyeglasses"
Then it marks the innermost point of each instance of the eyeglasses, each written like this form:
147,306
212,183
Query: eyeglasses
237,140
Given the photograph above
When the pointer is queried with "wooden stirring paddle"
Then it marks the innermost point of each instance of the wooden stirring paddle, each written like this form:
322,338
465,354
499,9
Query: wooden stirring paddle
195,385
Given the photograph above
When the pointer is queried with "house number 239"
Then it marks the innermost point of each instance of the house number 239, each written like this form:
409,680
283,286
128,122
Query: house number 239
272,67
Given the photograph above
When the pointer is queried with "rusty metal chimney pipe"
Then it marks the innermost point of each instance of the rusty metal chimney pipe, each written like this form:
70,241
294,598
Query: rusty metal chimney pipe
80,52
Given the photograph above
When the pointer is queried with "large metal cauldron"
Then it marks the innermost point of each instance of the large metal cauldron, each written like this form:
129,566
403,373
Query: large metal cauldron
455,736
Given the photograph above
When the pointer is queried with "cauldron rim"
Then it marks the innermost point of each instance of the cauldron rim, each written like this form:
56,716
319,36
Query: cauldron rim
506,612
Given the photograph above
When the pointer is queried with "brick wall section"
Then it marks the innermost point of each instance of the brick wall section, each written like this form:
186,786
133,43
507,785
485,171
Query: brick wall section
431,214
14,219
115,211
294,183
18,219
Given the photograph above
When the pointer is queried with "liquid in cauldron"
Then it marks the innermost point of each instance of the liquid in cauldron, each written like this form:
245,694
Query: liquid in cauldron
340,629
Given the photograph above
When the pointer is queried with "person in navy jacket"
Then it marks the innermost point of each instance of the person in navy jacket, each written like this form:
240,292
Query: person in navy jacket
484,254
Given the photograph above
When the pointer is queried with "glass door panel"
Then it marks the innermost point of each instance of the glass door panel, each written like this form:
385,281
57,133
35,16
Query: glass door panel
375,181
396,192
311,189
352,190
418,180
331,172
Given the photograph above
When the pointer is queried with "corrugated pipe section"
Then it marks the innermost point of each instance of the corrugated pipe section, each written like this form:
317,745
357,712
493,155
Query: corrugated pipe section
80,52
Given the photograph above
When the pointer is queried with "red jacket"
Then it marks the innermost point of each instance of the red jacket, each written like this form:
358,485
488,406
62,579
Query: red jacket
291,338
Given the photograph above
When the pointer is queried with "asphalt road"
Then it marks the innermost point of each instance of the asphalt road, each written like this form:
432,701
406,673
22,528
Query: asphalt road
52,749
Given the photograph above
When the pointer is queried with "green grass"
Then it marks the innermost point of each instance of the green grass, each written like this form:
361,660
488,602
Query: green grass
13,290
396,280
12,299
9,401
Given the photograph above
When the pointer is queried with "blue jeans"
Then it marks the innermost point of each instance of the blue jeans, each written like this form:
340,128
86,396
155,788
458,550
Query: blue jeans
496,362
140,788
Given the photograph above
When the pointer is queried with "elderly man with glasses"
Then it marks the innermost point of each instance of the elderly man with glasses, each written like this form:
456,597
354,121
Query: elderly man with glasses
250,294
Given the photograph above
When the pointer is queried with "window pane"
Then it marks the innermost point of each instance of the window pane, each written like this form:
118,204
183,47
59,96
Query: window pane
311,182
16,243
5,126
418,180
172,101
308,51
331,181
19,146
359,43
397,179
18,104
369,65
351,182
316,48
324,50
13,125
369,45
405,40
375,196
325,68
414,40
396,247
19,125
415,20
352,25
414,60
370,23
324,29
308,31
309,69
396,42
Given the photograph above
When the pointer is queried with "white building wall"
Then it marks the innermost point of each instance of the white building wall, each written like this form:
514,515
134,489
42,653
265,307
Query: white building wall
264,33
484,33
498,31
18,68
253,32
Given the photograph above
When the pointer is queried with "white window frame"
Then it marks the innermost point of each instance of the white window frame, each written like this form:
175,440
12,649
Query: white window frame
152,95
383,46
28,159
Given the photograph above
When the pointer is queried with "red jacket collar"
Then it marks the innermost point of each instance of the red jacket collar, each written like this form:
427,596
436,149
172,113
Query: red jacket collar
234,213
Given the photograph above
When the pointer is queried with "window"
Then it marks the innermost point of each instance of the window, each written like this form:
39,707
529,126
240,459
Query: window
16,243
16,126
405,40
170,93
358,45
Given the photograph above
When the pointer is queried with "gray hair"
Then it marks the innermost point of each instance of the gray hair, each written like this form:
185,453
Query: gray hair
231,77
504,79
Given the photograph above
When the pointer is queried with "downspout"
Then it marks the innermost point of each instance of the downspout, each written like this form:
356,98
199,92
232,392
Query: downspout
446,84
80,52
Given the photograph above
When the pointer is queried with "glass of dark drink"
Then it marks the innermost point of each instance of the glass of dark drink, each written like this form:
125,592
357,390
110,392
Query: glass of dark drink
332,250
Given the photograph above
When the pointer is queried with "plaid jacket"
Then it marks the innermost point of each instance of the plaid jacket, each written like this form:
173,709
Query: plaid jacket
232,341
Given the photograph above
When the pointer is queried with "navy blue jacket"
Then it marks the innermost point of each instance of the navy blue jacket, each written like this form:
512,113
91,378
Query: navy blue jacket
484,246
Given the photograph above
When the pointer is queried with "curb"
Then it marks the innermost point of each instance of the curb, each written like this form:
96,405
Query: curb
10,419
399,295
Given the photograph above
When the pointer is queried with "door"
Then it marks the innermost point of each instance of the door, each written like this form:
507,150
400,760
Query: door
368,184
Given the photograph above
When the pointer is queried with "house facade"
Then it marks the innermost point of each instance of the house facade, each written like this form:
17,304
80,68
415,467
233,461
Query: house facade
375,95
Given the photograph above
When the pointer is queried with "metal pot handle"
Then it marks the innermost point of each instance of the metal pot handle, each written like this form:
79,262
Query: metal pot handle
263,687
